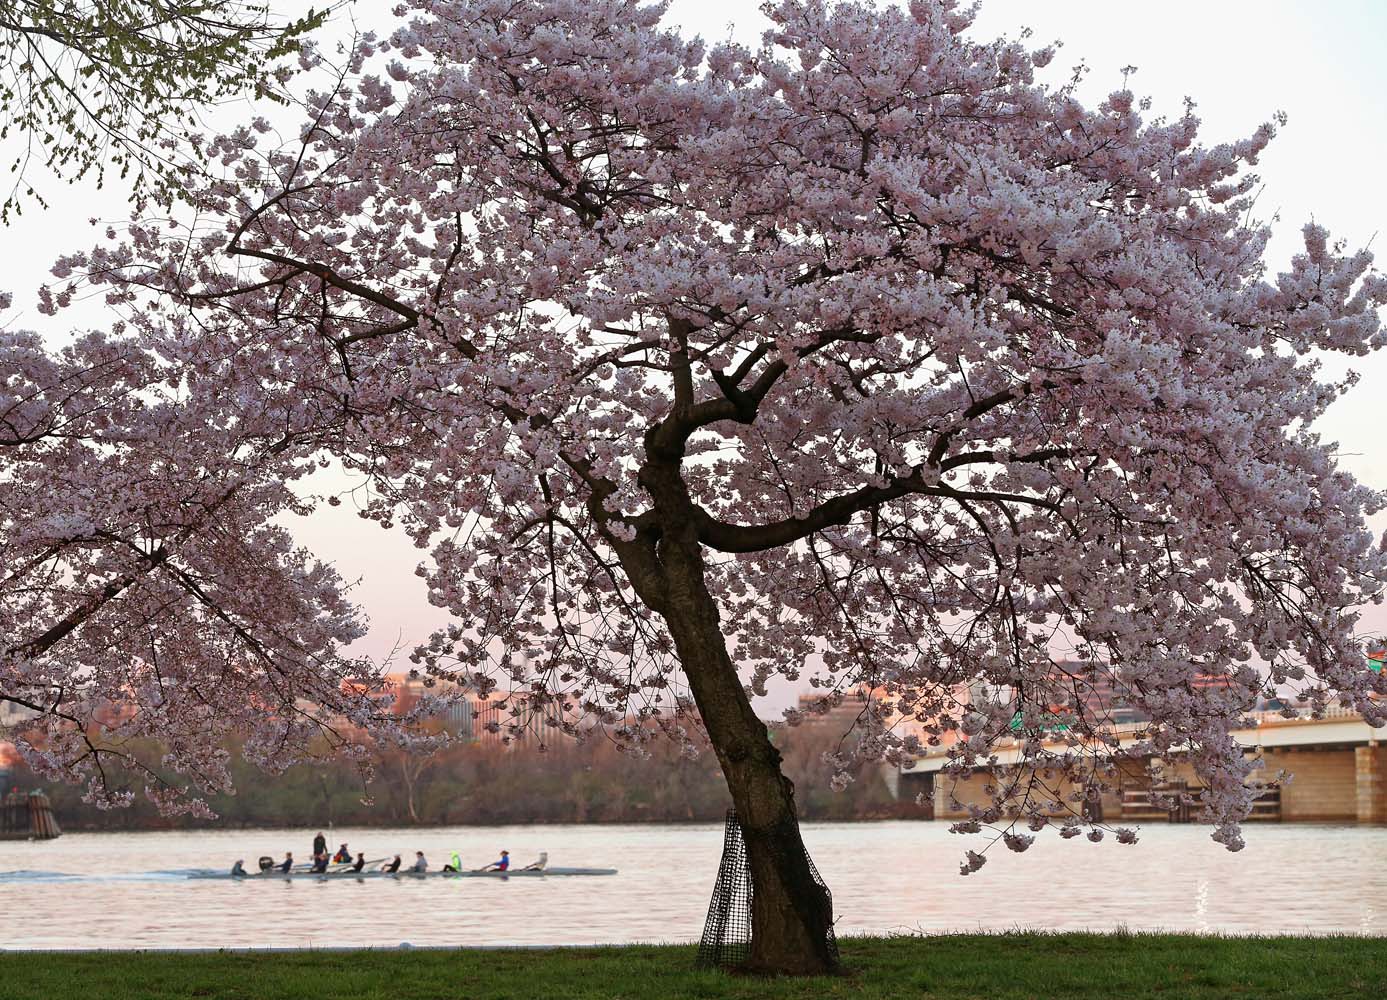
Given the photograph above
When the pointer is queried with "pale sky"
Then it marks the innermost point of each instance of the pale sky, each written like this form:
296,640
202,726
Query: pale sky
1241,61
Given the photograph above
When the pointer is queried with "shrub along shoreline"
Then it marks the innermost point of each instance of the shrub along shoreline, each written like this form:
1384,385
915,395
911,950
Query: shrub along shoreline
1016,966
487,784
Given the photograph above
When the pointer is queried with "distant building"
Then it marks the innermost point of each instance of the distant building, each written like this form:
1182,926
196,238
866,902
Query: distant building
12,714
1095,692
9,764
457,715
819,711
502,715
902,720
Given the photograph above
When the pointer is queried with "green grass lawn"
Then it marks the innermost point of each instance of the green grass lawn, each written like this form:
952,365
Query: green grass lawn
966,967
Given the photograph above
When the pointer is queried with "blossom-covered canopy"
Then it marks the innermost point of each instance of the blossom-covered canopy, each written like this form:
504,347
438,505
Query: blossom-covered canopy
946,376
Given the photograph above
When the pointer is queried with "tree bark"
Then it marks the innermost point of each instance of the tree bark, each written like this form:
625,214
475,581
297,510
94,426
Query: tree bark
791,912
409,789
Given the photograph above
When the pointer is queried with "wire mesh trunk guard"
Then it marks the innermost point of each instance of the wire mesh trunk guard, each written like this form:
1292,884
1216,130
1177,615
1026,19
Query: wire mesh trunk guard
726,941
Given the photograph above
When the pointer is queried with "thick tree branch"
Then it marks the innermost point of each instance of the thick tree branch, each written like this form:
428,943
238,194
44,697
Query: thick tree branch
839,511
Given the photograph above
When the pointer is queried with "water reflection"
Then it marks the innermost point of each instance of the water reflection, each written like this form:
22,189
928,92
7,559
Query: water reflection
884,876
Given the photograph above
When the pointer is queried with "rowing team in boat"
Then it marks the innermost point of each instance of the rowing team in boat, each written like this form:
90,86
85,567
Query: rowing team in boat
346,863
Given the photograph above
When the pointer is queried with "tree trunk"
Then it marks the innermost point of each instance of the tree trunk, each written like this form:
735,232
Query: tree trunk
791,913
409,789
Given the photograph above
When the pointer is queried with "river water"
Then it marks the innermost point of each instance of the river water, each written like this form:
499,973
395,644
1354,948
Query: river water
132,890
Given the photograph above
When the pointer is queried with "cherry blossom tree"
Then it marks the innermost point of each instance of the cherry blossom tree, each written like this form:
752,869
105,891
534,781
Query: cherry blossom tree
144,592
862,356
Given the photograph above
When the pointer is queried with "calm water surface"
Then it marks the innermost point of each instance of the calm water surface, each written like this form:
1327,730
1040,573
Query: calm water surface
130,893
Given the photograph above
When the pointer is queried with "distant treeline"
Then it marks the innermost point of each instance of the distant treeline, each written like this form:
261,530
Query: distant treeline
491,784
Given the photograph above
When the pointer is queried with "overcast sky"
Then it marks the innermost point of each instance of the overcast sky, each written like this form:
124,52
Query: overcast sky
1240,60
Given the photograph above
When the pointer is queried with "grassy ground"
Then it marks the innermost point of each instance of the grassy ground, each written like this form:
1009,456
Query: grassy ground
966,967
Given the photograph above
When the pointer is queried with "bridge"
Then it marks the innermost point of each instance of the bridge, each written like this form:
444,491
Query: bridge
1337,763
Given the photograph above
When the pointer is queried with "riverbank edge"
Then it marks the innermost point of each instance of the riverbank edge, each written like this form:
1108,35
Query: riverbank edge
1022,965
995,935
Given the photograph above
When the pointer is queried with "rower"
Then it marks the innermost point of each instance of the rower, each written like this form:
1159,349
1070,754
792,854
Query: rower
239,868
540,865
319,864
360,862
420,864
391,866
454,863
288,863
499,866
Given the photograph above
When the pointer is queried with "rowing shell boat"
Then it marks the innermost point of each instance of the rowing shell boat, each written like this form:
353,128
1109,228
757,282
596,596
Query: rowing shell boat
273,875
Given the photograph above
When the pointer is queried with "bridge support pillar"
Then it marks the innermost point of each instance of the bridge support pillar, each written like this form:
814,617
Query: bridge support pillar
1370,763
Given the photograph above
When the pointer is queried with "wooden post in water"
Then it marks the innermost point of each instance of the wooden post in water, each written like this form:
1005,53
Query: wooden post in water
27,817
43,825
